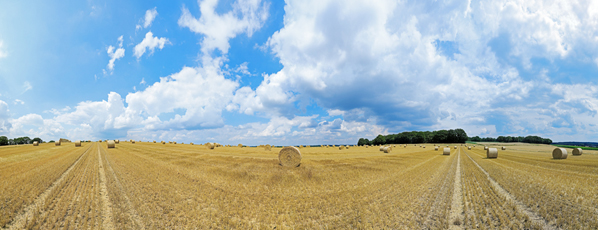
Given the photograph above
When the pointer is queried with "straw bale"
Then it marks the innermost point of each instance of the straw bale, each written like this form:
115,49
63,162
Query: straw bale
289,157
577,151
447,151
267,147
110,144
435,148
77,143
210,145
387,149
559,153
57,143
468,147
35,143
504,148
492,153
118,141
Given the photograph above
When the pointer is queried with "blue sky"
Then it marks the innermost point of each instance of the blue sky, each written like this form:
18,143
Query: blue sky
297,72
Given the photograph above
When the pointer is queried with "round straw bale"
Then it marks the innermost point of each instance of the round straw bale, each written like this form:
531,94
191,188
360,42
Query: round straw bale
100,141
110,144
346,146
210,145
485,147
191,143
447,146
504,148
366,146
57,143
289,157
455,147
559,153
405,146
118,141
387,149
381,148
267,147
468,147
424,146
447,151
174,142
163,142
436,148
577,151
154,141
340,147
240,145
132,141
77,143
492,153
35,143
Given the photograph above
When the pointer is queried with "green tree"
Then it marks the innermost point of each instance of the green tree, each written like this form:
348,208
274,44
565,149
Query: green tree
3,140
39,140
379,140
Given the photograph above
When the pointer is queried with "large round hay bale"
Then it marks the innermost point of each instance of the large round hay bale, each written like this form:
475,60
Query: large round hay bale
57,143
132,141
468,147
424,146
340,147
110,144
346,146
174,142
116,141
100,141
366,146
381,148
191,143
492,153
504,148
240,145
387,149
577,151
210,145
455,147
267,147
77,143
289,157
446,151
485,147
436,148
559,153
35,143
405,146
154,141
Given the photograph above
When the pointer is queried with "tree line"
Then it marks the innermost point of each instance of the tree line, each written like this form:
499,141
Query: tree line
19,140
439,136
528,139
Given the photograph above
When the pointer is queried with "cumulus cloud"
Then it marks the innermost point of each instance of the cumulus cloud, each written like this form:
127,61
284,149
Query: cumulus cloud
115,54
4,116
247,16
150,15
17,101
150,43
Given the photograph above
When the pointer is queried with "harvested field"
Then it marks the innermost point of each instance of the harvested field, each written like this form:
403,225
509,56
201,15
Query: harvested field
155,186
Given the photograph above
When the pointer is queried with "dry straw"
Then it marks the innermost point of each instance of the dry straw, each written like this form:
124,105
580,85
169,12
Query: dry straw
447,151
289,157
492,153
240,145
267,147
35,143
577,152
559,153
191,143
78,143
110,144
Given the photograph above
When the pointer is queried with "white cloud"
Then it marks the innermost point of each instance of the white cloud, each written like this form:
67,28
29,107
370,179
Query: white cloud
150,15
247,16
17,101
142,81
115,54
3,54
150,42
27,86
4,116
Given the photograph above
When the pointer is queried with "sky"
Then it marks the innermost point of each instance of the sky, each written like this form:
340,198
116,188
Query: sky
297,71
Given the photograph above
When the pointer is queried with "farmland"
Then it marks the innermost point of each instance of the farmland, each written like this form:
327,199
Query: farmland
156,186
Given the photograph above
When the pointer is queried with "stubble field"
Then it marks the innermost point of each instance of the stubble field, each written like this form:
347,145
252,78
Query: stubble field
157,186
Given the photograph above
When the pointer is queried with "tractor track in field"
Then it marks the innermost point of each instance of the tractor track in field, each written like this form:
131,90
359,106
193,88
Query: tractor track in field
442,193
535,218
131,211
457,205
21,220
107,222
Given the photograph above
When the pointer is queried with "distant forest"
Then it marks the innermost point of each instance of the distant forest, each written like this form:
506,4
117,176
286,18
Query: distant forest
445,136
439,136
528,139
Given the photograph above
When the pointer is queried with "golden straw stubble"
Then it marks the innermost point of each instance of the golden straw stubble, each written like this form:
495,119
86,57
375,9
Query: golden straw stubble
289,156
